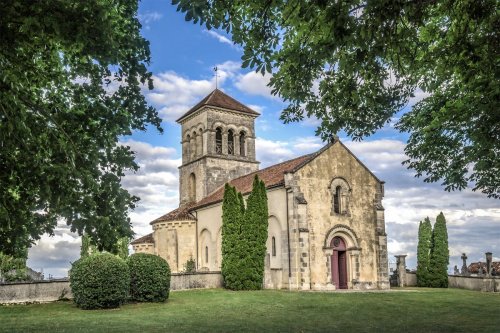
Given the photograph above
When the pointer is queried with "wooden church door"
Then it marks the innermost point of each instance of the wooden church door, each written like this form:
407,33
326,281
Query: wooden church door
339,263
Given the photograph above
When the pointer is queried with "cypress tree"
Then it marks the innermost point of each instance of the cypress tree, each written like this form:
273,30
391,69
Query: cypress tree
252,277
244,235
423,252
439,258
231,226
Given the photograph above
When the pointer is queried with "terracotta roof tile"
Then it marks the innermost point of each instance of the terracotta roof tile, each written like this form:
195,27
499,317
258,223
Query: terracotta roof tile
181,213
145,239
474,267
272,176
219,99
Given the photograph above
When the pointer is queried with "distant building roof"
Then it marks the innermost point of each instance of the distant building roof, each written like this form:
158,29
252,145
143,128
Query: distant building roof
145,239
181,213
474,267
219,99
272,176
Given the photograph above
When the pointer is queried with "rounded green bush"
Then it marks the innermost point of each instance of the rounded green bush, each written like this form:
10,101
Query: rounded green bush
149,278
99,281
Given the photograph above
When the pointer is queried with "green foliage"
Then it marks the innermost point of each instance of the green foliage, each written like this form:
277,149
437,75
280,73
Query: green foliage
149,278
244,237
232,217
122,247
99,281
19,274
190,266
439,259
423,252
9,263
355,64
70,88
87,247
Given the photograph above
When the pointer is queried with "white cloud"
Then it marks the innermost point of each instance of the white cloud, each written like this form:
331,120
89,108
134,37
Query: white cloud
258,108
419,95
271,152
221,38
149,17
174,94
309,144
254,84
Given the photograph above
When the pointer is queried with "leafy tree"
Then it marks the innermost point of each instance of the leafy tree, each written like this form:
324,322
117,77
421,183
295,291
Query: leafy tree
423,252
439,259
355,64
70,87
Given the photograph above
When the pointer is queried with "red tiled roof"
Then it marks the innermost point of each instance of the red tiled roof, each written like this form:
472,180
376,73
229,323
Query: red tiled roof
474,267
219,99
181,213
272,176
145,239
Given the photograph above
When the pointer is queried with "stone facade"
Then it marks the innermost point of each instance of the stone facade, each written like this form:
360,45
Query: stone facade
206,165
326,220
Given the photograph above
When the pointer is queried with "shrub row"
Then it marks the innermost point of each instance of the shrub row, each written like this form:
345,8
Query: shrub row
103,280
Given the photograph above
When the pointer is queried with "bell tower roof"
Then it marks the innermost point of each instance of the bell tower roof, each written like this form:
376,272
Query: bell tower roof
219,99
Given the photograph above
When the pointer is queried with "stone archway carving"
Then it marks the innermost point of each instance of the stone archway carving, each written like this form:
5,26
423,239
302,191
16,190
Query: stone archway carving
352,251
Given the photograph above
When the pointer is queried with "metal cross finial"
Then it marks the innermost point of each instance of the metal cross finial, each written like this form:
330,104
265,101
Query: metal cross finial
216,76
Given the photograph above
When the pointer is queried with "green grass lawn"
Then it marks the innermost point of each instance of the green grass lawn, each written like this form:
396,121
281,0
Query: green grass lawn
410,310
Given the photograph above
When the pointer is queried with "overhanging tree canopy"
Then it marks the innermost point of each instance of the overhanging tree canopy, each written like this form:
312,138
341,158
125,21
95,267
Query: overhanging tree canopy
70,85
355,64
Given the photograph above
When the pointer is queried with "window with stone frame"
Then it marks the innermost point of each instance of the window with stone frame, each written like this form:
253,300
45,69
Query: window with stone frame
188,147
273,246
341,192
230,142
242,143
218,140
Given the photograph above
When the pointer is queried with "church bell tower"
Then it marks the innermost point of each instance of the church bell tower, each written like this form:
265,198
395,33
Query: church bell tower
218,145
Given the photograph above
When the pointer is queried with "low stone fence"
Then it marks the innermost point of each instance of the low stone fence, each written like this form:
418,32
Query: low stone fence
39,291
181,281
411,279
478,283
48,291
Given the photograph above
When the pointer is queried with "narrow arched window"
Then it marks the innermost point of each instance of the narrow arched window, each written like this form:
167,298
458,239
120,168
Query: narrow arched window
192,187
273,246
230,142
188,146
337,200
206,254
242,143
218,140
199,144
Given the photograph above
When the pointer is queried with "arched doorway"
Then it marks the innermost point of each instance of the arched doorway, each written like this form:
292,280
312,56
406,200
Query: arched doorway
339,263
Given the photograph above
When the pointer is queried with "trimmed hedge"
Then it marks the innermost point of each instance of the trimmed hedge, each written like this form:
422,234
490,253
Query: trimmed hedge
149,278
99,281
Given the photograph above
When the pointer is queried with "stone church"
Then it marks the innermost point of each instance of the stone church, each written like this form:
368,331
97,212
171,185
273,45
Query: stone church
326,220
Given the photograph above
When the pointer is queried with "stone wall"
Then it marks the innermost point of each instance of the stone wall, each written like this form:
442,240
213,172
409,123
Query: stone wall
40,291
196,280
474,283
49,291
411,279
477,283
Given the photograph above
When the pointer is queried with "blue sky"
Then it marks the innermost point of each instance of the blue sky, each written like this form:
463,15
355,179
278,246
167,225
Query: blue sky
183,57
